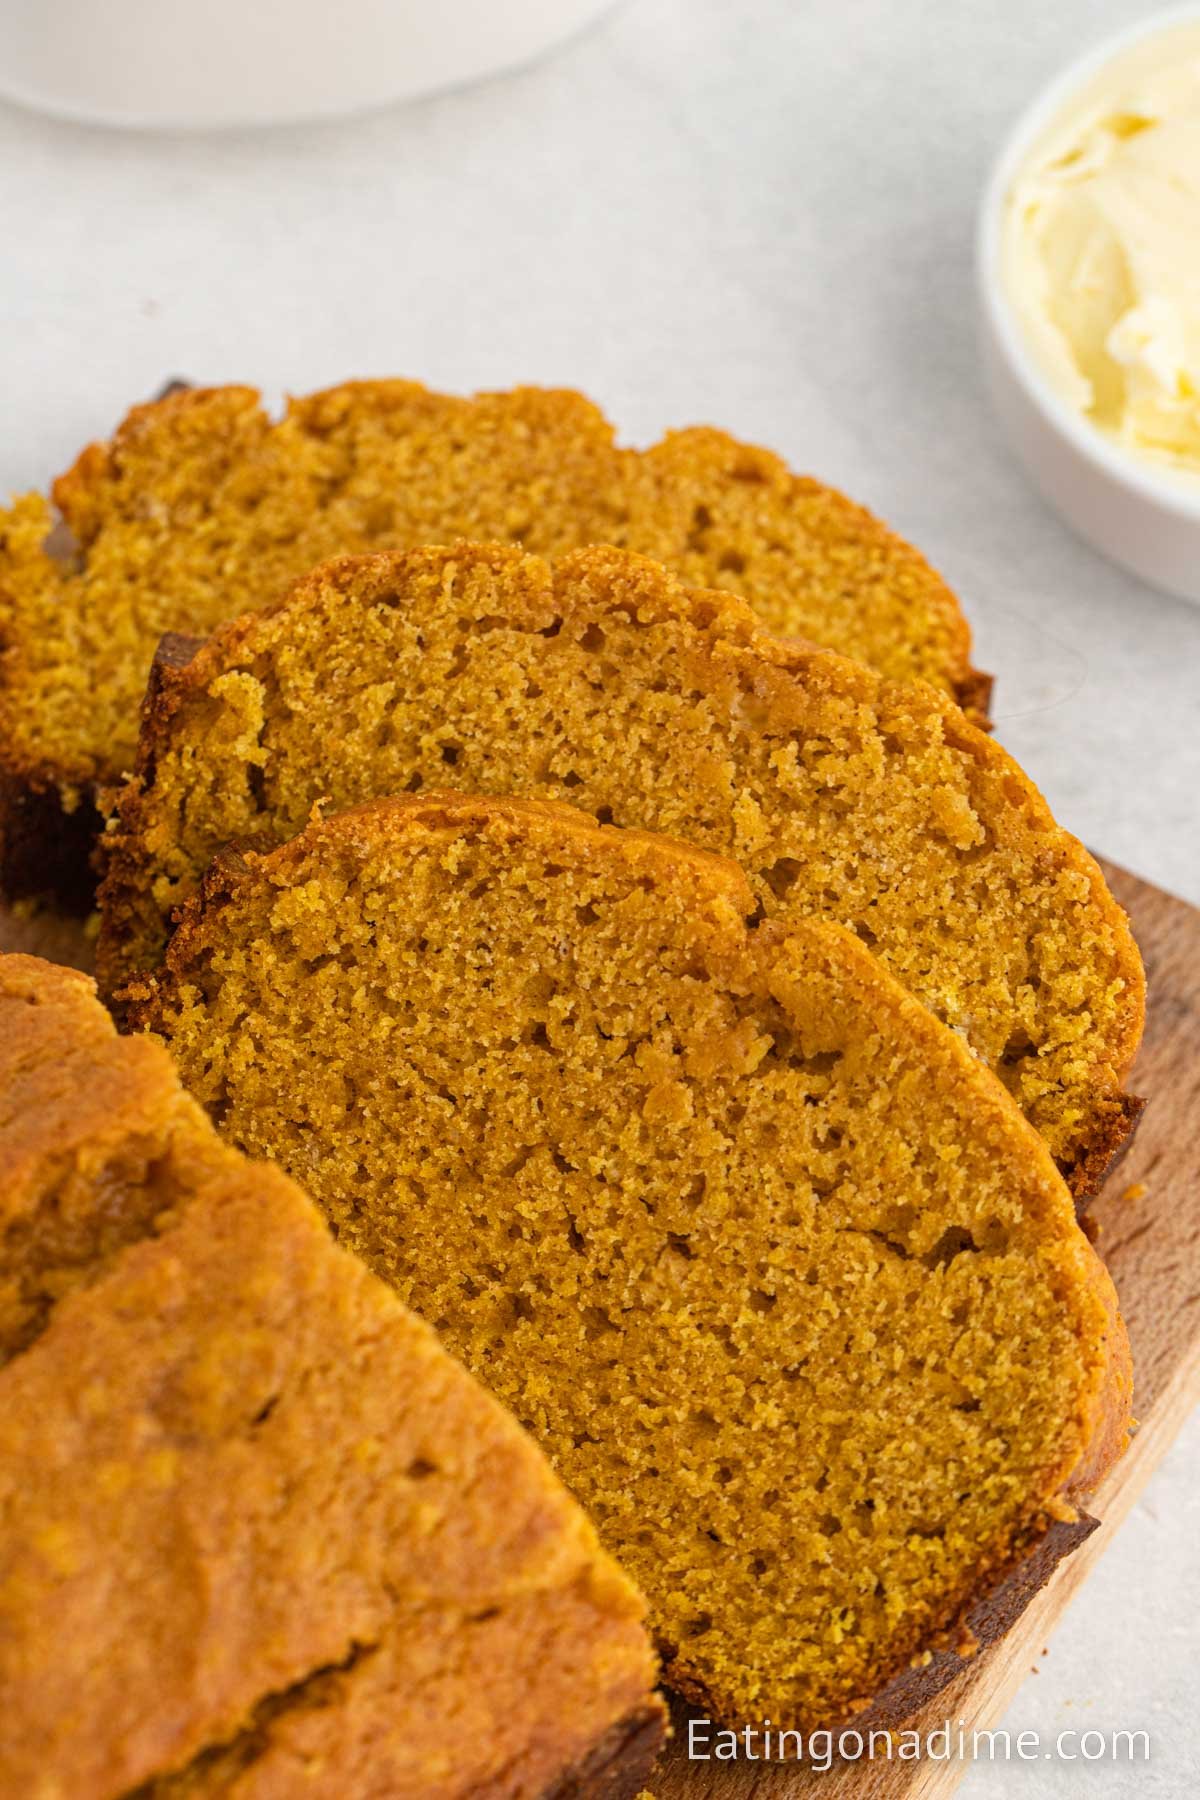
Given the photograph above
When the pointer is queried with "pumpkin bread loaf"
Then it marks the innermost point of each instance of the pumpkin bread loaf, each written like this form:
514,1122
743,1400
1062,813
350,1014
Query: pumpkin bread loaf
201,507
604,682
260,1536
769,1263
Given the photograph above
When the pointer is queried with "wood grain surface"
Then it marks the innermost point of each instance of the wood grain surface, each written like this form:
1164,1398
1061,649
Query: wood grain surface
1149,1225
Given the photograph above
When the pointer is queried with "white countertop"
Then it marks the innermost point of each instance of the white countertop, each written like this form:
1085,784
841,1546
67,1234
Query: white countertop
699,211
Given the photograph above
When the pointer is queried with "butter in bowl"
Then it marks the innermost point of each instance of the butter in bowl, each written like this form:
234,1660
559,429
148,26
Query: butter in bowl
1089,273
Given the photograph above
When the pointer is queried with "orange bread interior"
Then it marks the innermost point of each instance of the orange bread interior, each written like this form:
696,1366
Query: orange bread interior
764,1257
202,506
604,682
262,1536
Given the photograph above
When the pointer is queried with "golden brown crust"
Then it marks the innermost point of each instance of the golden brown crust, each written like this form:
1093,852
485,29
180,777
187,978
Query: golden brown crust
801,696
616,1767
1116,1129
992,1612
213,942
254,1516
377,464
975,697
1001,1602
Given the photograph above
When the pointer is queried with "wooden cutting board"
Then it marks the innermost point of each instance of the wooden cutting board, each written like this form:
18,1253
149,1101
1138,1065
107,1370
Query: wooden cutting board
1149,1220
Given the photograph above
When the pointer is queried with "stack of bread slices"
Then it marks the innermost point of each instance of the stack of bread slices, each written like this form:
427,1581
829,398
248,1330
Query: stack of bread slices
589,874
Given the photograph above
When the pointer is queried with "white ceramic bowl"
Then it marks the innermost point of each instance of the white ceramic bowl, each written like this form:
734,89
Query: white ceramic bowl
1144,521
196,64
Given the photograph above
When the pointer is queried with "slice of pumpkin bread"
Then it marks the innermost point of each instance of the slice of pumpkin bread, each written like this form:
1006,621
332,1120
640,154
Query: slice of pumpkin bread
259,1534
604,682
201,507
790,1293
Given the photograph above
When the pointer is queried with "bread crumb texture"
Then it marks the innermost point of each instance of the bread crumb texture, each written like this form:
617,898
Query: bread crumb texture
201,508
604,682
769,1264
262,1536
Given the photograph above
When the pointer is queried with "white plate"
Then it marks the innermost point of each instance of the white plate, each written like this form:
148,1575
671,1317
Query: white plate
195,64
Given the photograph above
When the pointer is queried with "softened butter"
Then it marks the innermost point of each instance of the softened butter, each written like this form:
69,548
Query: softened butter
1102,251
